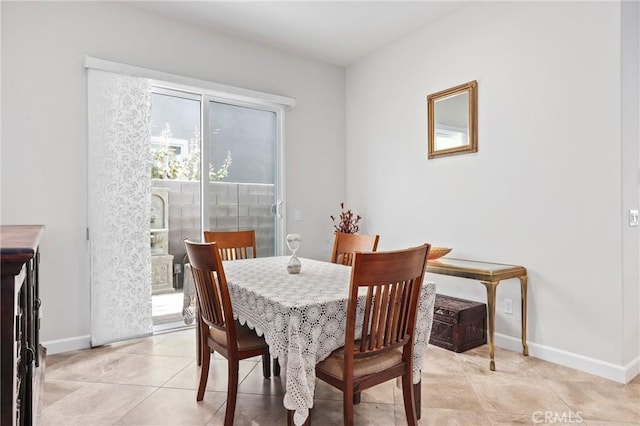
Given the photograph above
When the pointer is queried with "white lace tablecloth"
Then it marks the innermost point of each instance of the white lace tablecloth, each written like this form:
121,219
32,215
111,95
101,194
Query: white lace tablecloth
303,317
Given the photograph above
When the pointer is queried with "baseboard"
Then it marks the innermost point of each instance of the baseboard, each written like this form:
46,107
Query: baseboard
632,369
617,373
66,345
84,342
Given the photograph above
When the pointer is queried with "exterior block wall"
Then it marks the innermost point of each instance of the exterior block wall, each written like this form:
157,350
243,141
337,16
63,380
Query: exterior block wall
233,207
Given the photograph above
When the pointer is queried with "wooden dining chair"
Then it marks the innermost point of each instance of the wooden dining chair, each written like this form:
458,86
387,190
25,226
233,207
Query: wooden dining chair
393,281
233,244
218,330
345,245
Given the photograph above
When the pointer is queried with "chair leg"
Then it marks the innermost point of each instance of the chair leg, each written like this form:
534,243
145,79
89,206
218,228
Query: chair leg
417,396
348,407
409,399
204,375
276,367
266,365
232,393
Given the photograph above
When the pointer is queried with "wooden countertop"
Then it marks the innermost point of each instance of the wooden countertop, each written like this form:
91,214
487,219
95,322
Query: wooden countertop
18,244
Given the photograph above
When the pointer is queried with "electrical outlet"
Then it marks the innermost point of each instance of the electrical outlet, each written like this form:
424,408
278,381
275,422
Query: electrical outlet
633,217
177,268
508,306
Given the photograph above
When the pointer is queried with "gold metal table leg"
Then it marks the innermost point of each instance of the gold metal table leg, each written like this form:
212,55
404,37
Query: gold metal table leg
523,291
491,320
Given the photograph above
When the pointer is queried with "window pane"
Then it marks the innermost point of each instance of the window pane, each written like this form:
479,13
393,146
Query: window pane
248,137
243,172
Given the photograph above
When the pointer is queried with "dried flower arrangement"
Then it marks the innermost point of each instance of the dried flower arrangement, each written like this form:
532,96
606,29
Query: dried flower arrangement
347,222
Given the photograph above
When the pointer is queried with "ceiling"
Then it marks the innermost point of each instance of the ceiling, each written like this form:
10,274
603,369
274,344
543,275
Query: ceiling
338,32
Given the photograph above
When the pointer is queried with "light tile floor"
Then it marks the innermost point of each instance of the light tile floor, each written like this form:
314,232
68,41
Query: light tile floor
152,381
167,307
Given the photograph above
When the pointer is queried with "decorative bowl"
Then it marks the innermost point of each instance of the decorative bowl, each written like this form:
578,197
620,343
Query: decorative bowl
438,252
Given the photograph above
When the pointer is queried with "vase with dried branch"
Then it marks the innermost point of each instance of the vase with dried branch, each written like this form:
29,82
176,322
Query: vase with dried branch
347,222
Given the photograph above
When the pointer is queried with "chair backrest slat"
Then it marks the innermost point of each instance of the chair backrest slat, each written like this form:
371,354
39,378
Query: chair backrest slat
404,308
385,313
366,319
375,314
345,245
392,318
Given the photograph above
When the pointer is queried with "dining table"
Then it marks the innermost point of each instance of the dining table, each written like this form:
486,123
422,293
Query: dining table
303,317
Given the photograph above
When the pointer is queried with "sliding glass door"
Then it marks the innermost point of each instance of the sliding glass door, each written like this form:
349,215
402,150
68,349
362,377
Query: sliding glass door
226,177
243,165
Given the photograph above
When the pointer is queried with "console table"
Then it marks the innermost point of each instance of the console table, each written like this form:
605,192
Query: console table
20,351
489,275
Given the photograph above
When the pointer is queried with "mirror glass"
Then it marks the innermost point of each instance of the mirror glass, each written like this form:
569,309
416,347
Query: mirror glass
453,120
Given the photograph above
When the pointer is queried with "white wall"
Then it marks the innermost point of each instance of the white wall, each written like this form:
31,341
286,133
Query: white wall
44,148
544,189
630,49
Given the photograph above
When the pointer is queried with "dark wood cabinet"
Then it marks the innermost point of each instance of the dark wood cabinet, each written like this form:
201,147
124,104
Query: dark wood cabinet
20,351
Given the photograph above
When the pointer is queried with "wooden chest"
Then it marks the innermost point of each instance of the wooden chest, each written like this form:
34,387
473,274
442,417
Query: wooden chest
458,324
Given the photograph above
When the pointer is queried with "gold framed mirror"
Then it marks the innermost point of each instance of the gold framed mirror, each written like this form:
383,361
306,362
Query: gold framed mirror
453,120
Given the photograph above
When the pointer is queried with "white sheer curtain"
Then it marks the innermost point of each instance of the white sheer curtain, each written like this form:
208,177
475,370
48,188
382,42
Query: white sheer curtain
119,198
